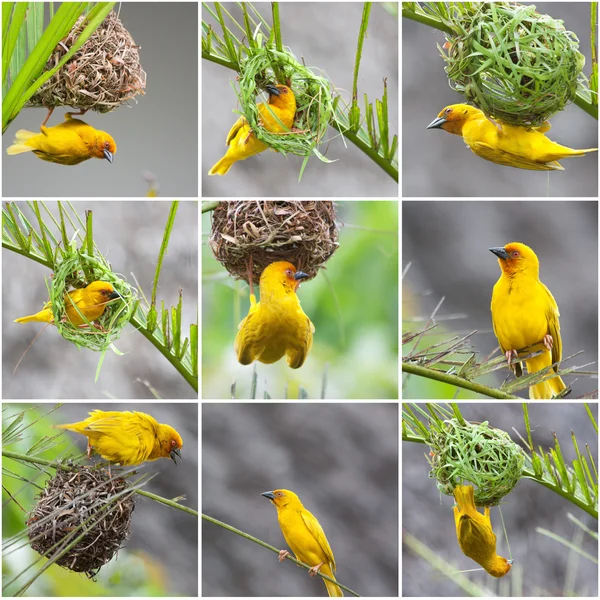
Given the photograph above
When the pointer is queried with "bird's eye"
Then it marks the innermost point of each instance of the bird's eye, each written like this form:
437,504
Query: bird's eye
279,494
289,273
106,145
515,254
173,443
448,111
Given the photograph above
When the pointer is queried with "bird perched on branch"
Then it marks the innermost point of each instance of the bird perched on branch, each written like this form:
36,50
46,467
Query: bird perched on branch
510,145
277,116
305,536
69,143
275,326
525,315
474,533
90,301
128,438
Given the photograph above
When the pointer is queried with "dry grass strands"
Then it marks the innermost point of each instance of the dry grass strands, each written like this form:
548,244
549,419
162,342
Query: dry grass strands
301,232
105,73
79,502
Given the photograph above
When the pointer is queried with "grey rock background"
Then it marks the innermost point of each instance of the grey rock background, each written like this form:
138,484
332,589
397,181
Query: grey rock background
448,241
159,134
341,460
438,164
541,564
325,35
129,234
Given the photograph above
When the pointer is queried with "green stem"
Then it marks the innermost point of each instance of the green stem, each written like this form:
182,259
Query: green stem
354,110
273,549
207,206
589,108
424,19
456,381
58,465
220,61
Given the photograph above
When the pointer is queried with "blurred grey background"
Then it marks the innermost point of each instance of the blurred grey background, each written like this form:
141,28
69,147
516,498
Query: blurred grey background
341,460
541,564
324,34
159,134
129,234
448,241
438,164
154,526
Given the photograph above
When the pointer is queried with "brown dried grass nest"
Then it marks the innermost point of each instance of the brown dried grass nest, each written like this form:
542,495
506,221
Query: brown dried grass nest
63,506
303,232
104,73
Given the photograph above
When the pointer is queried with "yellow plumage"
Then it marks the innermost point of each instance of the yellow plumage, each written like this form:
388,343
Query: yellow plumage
90,301
68,143
240,139
305,536
474,532
128,438
510,145
276,326
525,315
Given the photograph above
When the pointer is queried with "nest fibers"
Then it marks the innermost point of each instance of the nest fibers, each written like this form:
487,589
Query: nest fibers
512,62
81,502
301,232
78,270
104,73
477,453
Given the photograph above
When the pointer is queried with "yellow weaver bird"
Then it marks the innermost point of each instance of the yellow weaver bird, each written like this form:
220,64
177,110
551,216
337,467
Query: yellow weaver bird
474,533
510,145
305,536
240,139
69,143
525,314
128,438
90,302
276,326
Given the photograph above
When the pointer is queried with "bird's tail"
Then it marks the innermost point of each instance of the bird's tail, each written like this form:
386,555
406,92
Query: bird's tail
222,167
44,316
465,498
546,389
332,589
76,427
19,145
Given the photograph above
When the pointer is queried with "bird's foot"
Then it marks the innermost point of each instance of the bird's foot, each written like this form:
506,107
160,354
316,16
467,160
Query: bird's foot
50,111
250,269
511,354
548,341
89,450
70,115
283,554
314,570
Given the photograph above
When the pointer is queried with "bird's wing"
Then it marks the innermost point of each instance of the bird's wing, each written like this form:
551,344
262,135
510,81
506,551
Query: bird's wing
234,129
552,315
317,532
501,157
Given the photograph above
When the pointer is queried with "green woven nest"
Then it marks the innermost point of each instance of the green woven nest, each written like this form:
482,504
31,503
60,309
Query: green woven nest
77,270
513,63
479,454
314,100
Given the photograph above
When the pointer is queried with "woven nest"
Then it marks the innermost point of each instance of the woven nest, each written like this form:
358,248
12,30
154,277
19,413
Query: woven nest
104,73
76,502
478,453
511,62
303,233
77,270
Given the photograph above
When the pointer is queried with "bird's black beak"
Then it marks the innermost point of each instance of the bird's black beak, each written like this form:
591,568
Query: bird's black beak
436,123
300,275
175,452
114,295
272,89
108,155
269,495
499,252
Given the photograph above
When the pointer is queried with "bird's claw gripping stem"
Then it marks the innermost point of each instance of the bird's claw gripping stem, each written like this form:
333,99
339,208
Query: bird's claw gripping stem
314,570
283,554
548,341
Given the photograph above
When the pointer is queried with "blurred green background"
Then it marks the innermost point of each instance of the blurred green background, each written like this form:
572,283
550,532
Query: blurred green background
142,567
353,304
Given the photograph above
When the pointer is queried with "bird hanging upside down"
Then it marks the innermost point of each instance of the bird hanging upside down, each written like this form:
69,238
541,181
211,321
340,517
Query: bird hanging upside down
509,145
69,143
242,142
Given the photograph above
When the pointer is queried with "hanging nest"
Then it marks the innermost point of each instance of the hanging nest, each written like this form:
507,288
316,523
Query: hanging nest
79,502
513,63
478,453
104,73
77,270
314,99
303,233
